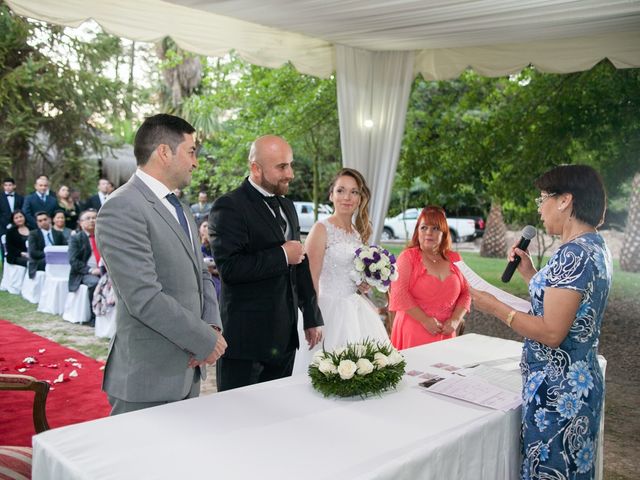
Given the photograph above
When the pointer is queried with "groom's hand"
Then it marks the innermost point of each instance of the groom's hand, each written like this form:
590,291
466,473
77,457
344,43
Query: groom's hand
294,251
313,336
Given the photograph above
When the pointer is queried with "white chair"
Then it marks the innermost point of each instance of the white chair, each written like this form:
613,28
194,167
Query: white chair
12,275
12,278
32,287
56,282
76,307
106,324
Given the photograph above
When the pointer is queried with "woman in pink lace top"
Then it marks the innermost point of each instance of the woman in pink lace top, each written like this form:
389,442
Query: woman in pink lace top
431,296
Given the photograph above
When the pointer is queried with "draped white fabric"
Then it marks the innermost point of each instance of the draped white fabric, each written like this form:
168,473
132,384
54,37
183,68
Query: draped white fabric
494,37
373,94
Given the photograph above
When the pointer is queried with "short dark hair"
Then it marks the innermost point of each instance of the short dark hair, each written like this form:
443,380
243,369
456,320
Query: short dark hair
41,212
157,130
9,180
87,210
585,185
57,211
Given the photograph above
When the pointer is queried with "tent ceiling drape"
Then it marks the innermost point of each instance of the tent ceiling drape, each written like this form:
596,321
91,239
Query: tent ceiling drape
495,37
440,39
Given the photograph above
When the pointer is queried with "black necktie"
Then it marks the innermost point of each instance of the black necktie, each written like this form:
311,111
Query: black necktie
49,237
173,200
274,204
9,194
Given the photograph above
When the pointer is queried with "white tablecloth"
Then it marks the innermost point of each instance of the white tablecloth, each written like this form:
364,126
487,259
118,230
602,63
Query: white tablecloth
286,430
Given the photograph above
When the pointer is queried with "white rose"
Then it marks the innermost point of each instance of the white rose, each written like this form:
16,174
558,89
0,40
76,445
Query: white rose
319,355
380,360
395,358
359,264
373,267
364,366
326,366
385,272
347,369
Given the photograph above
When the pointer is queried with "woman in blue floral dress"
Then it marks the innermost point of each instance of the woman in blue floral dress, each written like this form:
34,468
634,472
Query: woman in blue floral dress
563,387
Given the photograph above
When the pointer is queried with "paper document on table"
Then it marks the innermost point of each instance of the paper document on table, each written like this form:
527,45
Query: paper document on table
475,281
508,379
478,391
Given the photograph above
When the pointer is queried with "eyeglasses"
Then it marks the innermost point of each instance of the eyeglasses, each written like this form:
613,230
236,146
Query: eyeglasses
540,200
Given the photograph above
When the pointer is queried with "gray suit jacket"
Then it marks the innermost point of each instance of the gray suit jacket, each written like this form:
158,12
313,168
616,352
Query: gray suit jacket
165,296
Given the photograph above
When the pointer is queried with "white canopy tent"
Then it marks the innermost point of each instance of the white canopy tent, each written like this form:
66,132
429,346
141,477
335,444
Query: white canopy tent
376,47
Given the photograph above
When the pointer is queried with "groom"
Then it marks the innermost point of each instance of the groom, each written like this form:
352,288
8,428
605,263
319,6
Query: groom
265,274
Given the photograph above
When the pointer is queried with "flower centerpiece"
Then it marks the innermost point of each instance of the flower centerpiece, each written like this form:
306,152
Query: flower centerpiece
374,265
364,368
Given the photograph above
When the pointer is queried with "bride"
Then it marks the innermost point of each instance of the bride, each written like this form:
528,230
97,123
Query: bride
330,246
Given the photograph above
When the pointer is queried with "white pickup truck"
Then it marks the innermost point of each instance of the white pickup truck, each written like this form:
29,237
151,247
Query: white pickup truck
306,215
402,225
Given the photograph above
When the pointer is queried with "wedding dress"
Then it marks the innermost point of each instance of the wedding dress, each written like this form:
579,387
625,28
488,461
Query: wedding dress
348,316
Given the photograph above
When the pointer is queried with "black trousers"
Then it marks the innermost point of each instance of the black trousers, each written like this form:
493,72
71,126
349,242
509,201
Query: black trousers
233,373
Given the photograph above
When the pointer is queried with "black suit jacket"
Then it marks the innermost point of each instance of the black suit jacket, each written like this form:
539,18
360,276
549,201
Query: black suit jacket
33,204
5,210
260,293
36,249
93,202
79,254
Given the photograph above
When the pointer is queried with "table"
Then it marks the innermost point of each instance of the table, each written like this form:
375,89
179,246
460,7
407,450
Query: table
285,430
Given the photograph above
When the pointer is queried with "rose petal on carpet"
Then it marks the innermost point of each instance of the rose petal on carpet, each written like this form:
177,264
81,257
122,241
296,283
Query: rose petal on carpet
75,396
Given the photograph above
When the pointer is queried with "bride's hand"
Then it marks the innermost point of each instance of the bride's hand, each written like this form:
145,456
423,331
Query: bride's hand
364,288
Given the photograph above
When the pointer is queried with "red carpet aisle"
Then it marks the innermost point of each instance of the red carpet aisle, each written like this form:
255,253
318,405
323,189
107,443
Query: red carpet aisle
77,398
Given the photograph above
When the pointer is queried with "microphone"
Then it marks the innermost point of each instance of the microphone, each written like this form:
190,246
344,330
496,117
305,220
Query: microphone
528,233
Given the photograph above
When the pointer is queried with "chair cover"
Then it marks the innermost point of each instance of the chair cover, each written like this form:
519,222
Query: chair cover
106,324
76,306
12,278
32,287
56,283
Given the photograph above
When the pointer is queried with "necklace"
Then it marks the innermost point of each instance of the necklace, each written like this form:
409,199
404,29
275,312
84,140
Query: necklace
573,237
426,257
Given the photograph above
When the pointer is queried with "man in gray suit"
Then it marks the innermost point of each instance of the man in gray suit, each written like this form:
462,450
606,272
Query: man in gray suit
168,324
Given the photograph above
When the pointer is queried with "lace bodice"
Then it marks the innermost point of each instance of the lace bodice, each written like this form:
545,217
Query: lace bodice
337,265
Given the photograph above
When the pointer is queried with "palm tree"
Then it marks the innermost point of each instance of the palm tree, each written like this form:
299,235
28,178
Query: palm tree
494,242
630,254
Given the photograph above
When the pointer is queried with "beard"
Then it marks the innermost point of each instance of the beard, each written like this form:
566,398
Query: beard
280,188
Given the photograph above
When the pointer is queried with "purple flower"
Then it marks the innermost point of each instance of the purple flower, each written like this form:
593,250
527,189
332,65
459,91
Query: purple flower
376,275
386,283
376,256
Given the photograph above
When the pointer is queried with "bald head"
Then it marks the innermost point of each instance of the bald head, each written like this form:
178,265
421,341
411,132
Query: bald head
271,164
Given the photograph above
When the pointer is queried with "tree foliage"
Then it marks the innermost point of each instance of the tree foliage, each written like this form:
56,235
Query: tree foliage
54,95
239,102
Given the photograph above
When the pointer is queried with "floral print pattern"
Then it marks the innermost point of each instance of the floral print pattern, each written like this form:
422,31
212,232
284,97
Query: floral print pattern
563,388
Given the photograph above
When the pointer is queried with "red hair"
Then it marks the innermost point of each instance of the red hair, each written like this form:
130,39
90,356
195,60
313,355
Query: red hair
433,215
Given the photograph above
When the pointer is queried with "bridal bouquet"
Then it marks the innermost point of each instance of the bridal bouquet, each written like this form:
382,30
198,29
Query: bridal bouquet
374,265
365,368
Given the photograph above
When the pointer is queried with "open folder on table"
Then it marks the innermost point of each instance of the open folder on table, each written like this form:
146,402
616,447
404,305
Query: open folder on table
478,283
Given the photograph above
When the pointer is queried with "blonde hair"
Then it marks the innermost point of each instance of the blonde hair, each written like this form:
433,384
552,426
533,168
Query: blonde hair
362,223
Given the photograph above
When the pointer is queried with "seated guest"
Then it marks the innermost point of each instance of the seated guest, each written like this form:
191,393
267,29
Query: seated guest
59,224
430,296
41,237
207,256
17,237
201,209
68,207
39,201
84,256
